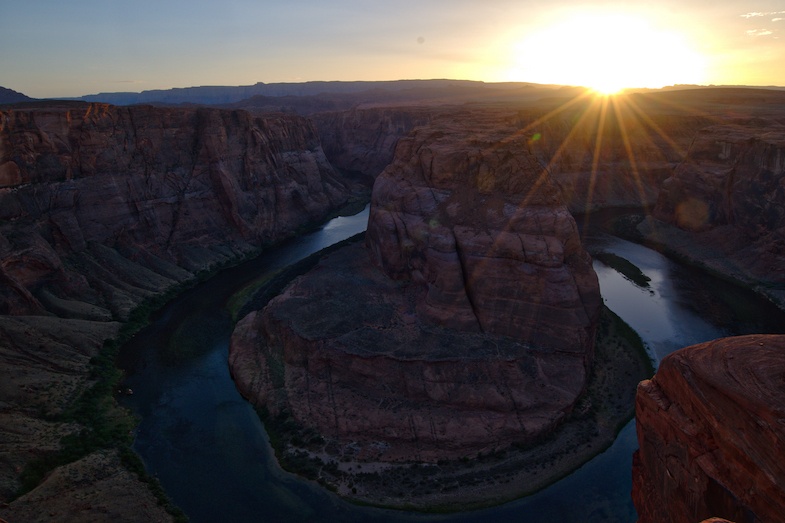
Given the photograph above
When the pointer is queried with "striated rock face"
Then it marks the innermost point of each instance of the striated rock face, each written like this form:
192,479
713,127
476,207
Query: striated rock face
475,220
477,332
102,207
162,188
727,202
711,434
603,154
362,141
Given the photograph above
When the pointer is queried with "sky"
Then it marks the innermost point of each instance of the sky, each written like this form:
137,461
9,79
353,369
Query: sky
56,48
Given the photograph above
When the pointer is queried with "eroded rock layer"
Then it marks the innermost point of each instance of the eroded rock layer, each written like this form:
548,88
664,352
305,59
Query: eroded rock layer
165,189
103,207
474,219
711,434
477,332
725,205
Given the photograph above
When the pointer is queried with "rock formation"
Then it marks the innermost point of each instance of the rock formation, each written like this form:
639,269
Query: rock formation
166,190
103,207
711,434
477,332
362,141
725,205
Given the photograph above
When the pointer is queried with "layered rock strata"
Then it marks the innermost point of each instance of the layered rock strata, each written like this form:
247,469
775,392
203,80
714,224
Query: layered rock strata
711,434
362,141
724,207
474,330
162,189
103,207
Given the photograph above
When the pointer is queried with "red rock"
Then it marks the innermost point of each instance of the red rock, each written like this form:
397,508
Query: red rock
727,200
188,187
483,229
711,433
102,207
478,333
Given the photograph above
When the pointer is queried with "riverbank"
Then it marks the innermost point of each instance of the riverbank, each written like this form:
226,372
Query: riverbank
485,480
696,250
79,429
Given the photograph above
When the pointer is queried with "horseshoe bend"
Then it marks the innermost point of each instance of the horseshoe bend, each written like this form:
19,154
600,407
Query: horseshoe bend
459,337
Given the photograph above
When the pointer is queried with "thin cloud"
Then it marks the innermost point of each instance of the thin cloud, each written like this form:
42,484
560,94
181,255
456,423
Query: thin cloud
755,14
759,32
777,19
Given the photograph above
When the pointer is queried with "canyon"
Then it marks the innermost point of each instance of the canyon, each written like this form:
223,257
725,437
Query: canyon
724,207
104,209
464,326
477,284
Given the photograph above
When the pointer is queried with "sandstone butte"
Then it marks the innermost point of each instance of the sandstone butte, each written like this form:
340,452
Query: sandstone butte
464,325
711,428
102,207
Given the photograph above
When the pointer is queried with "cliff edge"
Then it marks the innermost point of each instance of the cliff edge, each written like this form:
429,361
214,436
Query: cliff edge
711,435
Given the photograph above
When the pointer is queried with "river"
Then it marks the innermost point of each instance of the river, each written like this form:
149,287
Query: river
209,450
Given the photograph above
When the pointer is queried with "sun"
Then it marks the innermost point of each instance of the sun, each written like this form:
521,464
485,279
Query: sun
607,52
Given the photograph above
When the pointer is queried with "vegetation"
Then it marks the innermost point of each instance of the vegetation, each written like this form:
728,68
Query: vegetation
103,423
606,406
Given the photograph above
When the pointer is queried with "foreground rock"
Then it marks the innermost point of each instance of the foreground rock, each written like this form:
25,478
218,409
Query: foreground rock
711,433
465,326
102,208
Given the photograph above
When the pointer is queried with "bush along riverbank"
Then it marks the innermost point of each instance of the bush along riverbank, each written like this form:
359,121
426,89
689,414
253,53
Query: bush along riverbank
103,425
95,427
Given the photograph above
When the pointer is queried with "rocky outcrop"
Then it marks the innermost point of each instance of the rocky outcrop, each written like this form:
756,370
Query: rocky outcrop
725,205
362,141
129,191
102,208
477,332
478,223
711,435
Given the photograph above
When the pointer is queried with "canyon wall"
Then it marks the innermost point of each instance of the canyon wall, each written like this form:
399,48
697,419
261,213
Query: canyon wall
172,191
600,153
466,324
711,434
362,141
103,207
724,207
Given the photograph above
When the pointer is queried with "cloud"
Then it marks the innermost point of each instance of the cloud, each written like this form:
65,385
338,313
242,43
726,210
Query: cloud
777,19
754,14
759,32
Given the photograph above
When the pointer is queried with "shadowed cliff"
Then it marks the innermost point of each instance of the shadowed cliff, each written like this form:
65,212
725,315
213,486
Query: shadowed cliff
103,209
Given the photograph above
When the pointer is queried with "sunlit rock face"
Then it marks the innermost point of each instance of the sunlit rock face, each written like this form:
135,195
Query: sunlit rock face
711,434
728,196
464,325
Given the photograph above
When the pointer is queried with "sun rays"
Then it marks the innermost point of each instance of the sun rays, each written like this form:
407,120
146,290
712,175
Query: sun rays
622,148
